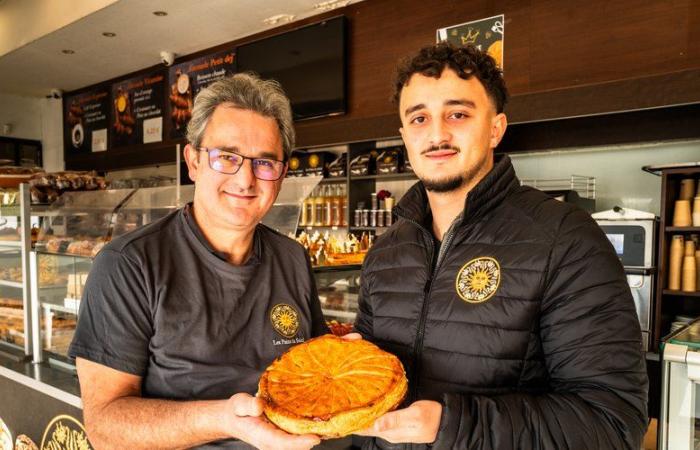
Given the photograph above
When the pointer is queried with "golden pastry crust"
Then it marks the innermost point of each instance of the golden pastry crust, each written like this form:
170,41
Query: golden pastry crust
331,387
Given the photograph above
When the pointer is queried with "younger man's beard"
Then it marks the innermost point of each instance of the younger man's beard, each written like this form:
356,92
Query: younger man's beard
445,184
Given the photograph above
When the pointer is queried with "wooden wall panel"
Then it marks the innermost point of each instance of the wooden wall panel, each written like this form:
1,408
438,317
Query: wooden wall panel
562,58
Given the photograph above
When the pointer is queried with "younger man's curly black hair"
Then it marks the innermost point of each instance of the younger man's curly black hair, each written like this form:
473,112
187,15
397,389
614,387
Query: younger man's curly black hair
465,61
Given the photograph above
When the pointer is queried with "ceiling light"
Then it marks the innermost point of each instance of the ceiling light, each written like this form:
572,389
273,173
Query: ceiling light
331,4
67,51
109,34
160,13
279,18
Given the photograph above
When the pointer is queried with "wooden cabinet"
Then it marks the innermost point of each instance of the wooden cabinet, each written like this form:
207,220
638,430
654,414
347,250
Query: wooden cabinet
669,304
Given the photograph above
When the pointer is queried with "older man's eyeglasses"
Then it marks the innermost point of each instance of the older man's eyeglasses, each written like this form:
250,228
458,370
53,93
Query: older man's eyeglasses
228,162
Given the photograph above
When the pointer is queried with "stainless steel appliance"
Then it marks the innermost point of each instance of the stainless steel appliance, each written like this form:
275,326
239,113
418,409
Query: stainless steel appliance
633,235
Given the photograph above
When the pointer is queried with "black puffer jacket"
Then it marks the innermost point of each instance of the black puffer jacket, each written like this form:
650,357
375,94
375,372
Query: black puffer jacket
552,360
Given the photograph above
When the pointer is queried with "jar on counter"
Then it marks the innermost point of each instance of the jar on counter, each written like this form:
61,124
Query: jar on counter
373,218
380,217
388,220
358,218
365,218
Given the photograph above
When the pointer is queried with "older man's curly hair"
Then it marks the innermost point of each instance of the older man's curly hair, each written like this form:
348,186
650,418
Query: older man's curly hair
465,61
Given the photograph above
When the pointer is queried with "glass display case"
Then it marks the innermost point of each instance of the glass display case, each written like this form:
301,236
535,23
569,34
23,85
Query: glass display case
338,289
679,426
75,229
16,224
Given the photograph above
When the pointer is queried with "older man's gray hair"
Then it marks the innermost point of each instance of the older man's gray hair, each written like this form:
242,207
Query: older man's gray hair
245,91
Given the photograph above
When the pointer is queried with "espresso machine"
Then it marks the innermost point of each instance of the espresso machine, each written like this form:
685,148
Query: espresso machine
633,235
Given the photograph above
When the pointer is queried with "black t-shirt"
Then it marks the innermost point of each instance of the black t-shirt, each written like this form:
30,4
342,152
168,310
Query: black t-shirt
161,304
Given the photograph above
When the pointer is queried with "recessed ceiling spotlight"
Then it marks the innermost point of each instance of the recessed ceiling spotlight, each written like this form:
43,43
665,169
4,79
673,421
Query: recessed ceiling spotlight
279,18
331,4
109,34
67,51
160,13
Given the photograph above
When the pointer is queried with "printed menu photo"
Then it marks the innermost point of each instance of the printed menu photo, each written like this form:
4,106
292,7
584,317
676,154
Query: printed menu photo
85,119
187,79
137,110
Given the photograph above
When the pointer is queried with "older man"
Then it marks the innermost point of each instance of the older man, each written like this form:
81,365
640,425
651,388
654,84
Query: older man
509,309
180,317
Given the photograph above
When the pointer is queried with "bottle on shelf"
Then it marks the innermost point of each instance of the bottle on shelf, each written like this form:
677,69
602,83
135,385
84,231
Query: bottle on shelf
328,206
311,208
336,207
304,219
343,211
319,207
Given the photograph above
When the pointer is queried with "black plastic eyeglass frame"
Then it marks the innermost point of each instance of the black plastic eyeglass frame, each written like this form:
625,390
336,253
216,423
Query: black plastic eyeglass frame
252,161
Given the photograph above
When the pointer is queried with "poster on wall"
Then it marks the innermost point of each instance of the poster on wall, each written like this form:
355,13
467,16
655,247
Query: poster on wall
485,34
187,79
137,110
85,121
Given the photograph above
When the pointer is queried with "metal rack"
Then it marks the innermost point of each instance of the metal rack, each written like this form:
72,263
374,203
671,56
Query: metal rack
581,184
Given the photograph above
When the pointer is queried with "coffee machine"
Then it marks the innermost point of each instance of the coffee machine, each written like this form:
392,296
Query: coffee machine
633,235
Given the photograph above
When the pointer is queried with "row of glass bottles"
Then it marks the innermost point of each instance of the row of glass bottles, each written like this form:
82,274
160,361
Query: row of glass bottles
326,206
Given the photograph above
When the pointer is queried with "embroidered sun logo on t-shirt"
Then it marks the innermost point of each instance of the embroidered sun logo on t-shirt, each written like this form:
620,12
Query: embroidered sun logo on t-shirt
285,320
478,280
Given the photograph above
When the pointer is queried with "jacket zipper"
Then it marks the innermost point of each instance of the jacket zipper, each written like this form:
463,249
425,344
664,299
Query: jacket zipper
418,344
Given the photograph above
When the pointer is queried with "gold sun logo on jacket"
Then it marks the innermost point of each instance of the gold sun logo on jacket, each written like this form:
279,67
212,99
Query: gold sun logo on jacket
285,320
478,280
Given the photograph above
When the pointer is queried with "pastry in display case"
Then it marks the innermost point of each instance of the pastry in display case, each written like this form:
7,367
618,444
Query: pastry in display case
77,226
16,221
338,289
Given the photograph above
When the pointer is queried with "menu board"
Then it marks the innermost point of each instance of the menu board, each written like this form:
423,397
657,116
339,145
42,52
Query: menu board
485,34
85,121
187,79
137,110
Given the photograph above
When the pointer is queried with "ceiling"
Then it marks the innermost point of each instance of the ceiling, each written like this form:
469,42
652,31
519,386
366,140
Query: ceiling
35,68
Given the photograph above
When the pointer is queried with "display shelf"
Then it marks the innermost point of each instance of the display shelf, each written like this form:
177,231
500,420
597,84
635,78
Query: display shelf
340,314
339,268
681,293
386,177
368,228
322,227
683,229
12,284
336,180
16,243
60,308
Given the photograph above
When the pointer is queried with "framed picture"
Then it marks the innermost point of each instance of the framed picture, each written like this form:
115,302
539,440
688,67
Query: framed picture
485,34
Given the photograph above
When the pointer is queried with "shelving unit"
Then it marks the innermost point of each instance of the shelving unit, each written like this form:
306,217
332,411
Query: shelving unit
359,187
668,303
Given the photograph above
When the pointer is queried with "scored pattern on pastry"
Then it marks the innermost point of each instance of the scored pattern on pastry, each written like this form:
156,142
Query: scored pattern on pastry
327,377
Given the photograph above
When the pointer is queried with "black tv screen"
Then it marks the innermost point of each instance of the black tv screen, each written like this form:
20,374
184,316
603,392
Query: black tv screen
309,63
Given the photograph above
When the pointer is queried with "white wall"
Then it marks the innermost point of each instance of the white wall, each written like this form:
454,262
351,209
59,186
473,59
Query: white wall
38,119
620,180
52,134
23,113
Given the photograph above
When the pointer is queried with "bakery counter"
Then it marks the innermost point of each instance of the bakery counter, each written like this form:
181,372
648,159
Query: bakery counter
37,397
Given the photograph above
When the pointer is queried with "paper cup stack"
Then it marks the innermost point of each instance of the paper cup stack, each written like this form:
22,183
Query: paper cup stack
686,211
684,263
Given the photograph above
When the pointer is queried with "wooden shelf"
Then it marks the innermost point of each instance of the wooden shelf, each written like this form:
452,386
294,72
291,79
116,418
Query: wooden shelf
335,180
683,229
681,293
386,177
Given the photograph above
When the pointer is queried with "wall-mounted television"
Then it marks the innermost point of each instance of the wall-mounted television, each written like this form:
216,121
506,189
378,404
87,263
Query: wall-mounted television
309,63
